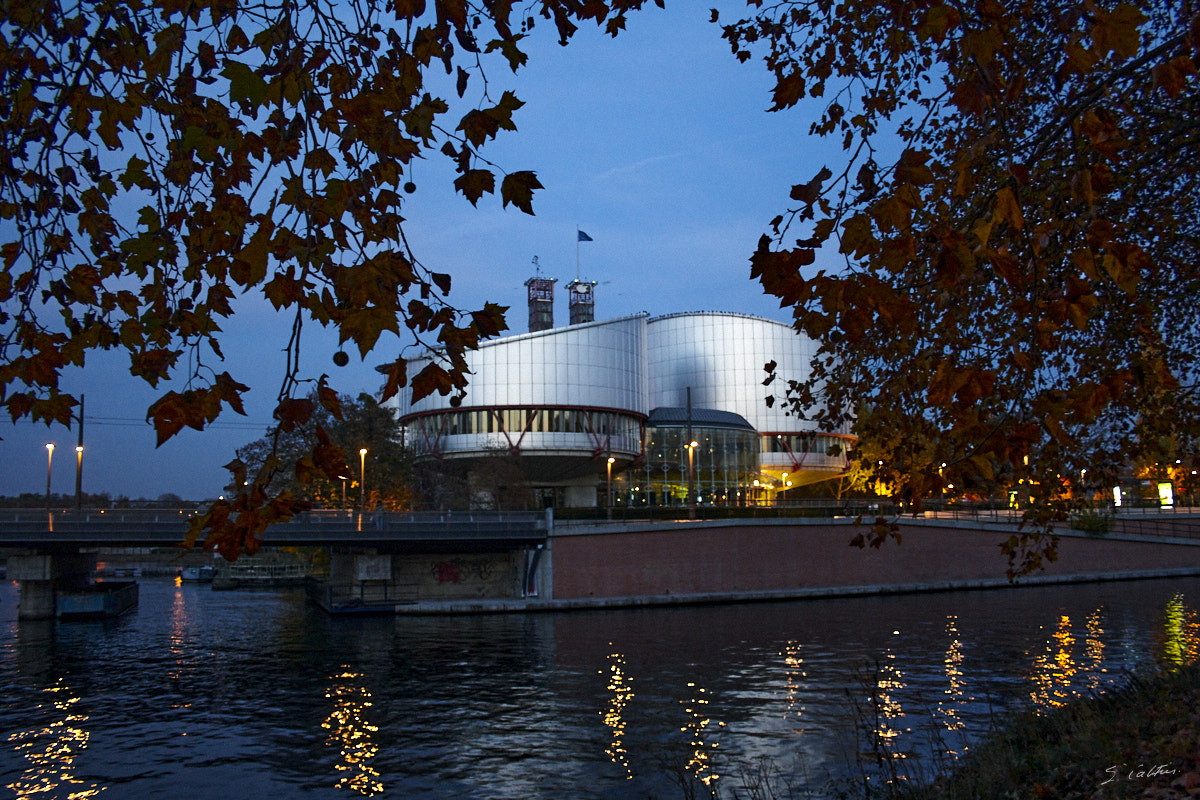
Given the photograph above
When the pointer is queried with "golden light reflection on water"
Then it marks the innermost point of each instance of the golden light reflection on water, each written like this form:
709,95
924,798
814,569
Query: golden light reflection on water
1093,650
1055,668
621,690
792,674
888,680
179,626
700,765
1181,633
953,694
351,733
52,750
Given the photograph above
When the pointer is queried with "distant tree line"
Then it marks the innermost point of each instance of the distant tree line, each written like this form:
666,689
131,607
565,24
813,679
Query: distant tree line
94,500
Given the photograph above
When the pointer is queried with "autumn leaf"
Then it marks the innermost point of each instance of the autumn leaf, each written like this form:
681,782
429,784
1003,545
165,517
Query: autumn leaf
1007,210
938,21
489,321
788,90
246,87
364,326
293,412
1172,77
432,378
329,399
1116,31
474,183
396,376
153,365
320,160
517,188
809,193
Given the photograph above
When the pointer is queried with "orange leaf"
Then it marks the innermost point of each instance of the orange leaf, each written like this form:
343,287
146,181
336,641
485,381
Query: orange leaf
433,378
294,411
397,376
1116,31
1006,209
329,399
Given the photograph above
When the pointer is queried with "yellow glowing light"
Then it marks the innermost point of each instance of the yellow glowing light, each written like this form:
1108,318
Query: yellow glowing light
1093,648
1054,670
613,715
700,763
51,751
948,707
351,733
1181,633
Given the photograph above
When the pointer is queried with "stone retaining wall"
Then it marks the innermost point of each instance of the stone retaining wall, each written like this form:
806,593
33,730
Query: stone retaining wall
745,558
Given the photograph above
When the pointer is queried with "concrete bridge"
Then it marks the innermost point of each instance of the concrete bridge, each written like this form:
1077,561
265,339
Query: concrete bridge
63,542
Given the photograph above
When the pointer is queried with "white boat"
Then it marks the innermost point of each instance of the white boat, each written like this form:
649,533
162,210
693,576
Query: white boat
197,574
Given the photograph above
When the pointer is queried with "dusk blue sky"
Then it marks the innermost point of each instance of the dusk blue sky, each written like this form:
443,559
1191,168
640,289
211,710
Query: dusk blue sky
656,143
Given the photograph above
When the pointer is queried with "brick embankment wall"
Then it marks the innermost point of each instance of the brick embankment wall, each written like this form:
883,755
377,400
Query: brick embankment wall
795,558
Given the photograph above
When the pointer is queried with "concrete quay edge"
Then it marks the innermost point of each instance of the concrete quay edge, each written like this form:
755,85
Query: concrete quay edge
508,606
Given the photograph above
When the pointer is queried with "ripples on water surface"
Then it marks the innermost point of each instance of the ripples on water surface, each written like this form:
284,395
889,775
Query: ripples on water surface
207,694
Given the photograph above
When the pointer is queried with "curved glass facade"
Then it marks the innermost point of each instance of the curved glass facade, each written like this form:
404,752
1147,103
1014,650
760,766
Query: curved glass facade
788,453
724,466
720,357
567,399
593,365
538,429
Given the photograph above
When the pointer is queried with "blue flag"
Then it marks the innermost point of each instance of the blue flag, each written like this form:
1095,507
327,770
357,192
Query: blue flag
583,237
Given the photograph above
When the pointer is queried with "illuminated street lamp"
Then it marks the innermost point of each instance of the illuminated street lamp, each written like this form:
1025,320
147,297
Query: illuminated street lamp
49,460
362,480
78,477
79,460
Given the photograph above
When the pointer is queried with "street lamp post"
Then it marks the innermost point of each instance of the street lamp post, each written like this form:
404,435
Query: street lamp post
691,482
610,498
49,460
362,480
79,461
79,477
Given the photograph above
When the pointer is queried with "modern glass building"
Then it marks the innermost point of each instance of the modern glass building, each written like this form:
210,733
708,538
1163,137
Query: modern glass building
601,409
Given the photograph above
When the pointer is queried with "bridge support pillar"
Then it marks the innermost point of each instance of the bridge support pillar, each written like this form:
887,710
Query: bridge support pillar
42,576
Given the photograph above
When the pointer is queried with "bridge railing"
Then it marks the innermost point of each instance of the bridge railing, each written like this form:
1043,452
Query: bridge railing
362,595
165,526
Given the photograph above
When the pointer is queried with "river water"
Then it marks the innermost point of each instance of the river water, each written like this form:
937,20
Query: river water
203,694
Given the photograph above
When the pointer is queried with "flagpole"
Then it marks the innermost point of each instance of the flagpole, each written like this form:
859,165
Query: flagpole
576,252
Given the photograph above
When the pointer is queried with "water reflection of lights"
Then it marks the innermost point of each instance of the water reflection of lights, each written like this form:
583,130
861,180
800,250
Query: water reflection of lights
793,672
622,693
948,705
1093,650
1181,633
701,764
52,751
179,627
1054,670
350,731
887,681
